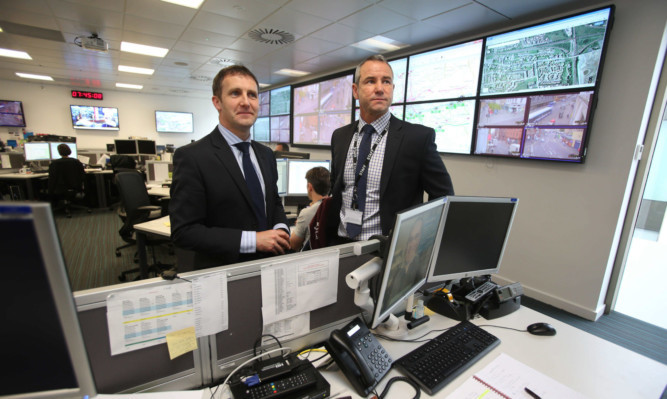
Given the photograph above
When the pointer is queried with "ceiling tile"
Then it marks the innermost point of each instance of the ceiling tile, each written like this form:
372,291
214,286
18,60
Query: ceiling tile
314,45
109,5
421,9
294,22
472,17
382,20
153,27
416,33
199,49
44,21
331,10
212,39
342,34
245,10
161,11
221,24
87,15
257,48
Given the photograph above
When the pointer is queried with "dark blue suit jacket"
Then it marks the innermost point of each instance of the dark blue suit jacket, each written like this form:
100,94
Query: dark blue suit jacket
210,203
411,166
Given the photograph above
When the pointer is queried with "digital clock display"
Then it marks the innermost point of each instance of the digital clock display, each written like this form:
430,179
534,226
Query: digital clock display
91,95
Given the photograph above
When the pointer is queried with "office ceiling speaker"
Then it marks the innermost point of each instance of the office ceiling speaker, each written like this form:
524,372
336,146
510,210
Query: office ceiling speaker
92,42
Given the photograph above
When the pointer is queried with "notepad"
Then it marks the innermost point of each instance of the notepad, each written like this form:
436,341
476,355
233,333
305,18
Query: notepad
507,378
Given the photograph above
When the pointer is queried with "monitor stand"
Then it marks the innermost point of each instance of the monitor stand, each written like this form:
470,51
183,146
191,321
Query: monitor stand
453,309
393,327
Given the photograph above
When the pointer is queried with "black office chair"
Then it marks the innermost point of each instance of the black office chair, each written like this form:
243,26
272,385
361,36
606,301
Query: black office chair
136,208
66,184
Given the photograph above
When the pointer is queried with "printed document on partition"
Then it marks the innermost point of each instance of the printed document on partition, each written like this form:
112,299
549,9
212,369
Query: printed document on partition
141,318
287,329
299,285
210,304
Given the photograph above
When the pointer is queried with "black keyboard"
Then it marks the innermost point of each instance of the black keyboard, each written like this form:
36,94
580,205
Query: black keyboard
436,363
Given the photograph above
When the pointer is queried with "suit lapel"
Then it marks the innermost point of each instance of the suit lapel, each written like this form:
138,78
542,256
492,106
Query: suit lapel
395,137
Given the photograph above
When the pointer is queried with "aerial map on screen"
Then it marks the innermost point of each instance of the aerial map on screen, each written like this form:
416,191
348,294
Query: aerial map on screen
452,121
556,55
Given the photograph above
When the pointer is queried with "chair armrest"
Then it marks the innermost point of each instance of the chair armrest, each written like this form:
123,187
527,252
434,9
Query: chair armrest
149,208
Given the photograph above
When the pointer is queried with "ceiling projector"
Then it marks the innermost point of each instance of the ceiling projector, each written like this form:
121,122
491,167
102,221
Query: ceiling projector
94,43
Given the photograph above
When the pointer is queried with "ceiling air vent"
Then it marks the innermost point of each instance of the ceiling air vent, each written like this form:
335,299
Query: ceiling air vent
271,36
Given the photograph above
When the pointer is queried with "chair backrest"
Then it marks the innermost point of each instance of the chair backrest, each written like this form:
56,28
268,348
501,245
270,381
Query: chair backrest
122,162
133,194
66,174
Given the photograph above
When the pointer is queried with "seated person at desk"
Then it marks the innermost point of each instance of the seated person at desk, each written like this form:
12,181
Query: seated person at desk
318,185
281,147
66,176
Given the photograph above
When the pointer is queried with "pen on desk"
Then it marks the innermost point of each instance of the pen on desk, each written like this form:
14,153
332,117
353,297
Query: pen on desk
531,393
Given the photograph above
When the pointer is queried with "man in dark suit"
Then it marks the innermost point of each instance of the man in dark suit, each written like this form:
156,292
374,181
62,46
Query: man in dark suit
224,199
380,164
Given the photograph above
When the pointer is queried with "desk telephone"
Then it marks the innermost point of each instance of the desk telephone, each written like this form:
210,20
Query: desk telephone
359,355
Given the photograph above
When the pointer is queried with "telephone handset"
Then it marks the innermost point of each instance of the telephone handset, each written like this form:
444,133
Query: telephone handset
359,355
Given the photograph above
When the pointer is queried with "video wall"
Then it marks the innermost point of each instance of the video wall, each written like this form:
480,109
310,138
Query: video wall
528,93
273,120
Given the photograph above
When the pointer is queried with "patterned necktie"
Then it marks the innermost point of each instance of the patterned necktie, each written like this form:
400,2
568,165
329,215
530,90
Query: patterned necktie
255,188
352,229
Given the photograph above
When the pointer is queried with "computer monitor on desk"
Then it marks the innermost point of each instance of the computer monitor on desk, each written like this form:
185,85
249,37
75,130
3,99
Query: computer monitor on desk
37,151
292,154
54,150
403,270
281,164
296,170
44,350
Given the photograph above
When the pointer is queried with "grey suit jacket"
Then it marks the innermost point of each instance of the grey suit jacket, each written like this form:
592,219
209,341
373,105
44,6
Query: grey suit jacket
210,203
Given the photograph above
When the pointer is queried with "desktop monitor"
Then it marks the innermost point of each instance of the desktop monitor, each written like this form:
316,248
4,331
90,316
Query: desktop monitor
474,236
44,348
296,174
407,261
146,147
37,151
56,155
292,154
281,164
126,147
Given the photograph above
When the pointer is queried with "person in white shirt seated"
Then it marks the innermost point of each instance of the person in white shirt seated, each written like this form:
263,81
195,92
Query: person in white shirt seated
318,187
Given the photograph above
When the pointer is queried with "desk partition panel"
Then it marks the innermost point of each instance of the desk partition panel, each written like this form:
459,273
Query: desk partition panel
150,369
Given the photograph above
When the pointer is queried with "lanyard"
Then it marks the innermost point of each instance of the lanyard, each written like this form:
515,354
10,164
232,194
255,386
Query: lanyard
364,167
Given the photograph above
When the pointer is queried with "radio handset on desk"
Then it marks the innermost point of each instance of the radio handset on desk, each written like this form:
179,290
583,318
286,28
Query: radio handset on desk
359,355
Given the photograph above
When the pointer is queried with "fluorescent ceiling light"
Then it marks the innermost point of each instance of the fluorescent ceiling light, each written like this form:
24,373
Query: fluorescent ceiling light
4,52
143,49
31,76
129,86
262,85
186,3
131,69
379,43
291,72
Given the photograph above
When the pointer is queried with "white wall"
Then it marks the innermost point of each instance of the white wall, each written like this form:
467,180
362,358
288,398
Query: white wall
46,109
564,239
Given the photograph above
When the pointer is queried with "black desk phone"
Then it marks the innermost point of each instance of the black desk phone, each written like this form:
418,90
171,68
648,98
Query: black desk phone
359,355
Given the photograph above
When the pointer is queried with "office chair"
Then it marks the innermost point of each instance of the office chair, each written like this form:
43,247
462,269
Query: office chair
136,208
66,184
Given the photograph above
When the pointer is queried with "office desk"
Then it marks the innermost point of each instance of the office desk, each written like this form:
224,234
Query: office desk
158,191
582,361
156,226
100,185
26,181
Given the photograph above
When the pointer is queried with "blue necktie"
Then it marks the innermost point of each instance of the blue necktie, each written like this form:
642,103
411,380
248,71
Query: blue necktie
354,230
252,181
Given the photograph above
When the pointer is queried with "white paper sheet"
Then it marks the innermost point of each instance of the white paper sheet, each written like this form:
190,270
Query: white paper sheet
211,304
288,328
298,286
141,318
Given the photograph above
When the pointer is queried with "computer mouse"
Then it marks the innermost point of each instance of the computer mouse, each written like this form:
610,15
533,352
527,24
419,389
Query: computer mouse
541,329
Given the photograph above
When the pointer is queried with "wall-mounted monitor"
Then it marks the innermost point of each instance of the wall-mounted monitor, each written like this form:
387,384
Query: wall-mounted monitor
452,120
93,117
37,151
56,155
261,130
320,108
562,54
280,101
174,122
296,170
264,104
279,126
11,113
543,126
146,147
445,73
126,147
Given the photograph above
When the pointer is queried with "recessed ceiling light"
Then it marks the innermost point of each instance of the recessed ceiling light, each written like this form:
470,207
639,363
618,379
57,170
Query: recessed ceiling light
143,49
31,76
14,54
186,3
129,86
181,63
262,85
379,43
131,69
291,72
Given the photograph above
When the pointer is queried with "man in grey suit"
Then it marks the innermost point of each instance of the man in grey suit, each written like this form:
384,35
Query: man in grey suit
380,165
224,200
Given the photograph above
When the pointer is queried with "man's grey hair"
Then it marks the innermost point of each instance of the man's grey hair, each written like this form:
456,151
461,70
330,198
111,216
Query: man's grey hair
375,57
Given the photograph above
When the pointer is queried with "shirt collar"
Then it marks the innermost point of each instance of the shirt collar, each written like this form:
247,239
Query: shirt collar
230,137
380,124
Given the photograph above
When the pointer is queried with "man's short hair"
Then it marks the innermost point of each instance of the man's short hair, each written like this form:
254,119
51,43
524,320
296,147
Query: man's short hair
63,149
320,179
375,57
229,71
